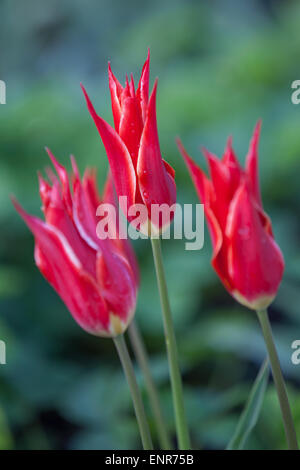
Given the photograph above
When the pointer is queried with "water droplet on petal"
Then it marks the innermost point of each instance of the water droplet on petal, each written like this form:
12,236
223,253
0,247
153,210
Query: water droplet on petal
244,233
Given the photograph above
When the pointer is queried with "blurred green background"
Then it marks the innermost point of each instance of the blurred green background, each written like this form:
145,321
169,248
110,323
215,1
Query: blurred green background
221,66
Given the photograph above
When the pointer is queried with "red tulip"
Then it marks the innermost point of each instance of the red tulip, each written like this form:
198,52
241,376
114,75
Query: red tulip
133,151
97,279
245,254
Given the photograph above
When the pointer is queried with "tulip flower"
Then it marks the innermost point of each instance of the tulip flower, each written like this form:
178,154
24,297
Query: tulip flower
245,254
139,172
145,185
96,278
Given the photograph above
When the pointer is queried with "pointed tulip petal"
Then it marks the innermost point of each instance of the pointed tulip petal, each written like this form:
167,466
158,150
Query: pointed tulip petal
143,87
116,91
169,169
126,93
234,169
221,186
86,221
63,176
89,183
119,158
132,87
155,183
57,216
45,191
51,175
219,256
252,163
83,214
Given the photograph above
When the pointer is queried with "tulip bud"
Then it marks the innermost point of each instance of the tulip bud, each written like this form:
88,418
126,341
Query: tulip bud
96,279
133,150
245,254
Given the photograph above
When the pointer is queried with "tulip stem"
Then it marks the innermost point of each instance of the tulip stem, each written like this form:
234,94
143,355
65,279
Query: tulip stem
134,390
176,383
278,380
142,358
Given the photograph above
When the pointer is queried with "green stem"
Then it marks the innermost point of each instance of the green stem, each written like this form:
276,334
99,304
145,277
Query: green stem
176,383
142,358
278,380
135,393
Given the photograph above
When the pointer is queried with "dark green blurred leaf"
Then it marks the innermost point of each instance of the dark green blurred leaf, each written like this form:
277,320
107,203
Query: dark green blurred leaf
252,409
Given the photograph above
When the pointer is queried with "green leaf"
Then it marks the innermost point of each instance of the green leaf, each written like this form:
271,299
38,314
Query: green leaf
252,409
6,440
